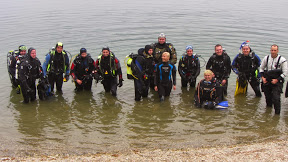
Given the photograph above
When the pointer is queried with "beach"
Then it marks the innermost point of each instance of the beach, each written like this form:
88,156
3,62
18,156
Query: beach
265,151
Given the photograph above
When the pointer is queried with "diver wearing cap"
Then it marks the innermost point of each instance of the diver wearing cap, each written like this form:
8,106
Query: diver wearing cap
82,70
15,58
273,70
246,65
189,67
161,46
107,68
55,65
30,70
220,64
208,91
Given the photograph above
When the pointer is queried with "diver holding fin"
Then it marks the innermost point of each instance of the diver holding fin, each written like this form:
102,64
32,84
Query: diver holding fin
246,65
241,84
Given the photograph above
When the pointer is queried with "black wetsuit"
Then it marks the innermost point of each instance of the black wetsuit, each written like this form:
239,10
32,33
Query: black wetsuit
247,68
221,67
56,64
109,67
189,69
82,68
208,91
30,70
143,67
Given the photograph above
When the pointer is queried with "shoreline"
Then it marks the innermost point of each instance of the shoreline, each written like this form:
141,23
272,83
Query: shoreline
264,151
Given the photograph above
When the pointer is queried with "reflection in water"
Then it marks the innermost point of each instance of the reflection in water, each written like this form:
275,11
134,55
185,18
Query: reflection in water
255,120
150,122
187,96
40,124
98,122
27,118
102,122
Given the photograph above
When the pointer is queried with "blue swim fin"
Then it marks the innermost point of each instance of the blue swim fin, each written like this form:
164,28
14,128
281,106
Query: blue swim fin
224,104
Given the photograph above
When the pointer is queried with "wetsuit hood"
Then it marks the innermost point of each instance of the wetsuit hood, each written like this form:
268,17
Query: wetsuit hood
147,48
29,52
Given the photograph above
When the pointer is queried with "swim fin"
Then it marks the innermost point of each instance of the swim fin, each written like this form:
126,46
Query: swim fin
241,87
222,105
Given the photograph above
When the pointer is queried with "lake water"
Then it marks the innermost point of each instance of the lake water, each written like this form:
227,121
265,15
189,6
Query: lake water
91,122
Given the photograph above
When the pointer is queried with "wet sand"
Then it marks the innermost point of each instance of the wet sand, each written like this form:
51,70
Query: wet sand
266,151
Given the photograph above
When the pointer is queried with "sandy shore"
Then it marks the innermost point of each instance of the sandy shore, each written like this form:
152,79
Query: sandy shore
268,151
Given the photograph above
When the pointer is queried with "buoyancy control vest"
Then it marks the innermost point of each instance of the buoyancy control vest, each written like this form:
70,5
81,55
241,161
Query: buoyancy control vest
189,64
161,48
57,62
83,66
219,65
207,90
130,62
107,65
247,64
30,68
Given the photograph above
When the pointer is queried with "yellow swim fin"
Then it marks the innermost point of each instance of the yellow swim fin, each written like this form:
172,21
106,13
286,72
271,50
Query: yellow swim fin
241,88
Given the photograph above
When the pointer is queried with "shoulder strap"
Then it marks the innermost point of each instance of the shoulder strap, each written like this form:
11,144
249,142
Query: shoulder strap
253,54
138,65
278,62
267,62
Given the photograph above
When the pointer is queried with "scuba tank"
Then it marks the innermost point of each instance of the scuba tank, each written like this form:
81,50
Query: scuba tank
10,55
17,64
128,61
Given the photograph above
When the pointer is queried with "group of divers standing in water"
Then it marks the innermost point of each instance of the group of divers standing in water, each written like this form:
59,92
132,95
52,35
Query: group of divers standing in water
153,67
